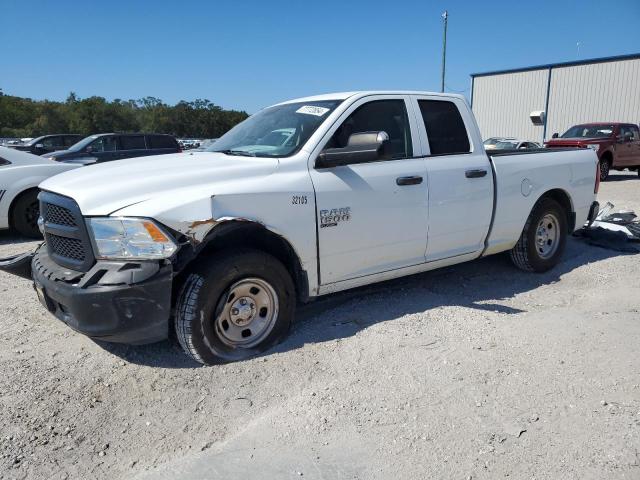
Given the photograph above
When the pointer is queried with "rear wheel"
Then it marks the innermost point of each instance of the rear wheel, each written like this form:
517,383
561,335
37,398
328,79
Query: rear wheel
543,238
25,213
605,167
233,306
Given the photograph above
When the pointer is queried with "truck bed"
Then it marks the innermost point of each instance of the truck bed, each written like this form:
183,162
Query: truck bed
521,177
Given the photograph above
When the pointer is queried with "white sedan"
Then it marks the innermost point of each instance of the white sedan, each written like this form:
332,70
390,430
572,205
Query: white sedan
20,175
509,143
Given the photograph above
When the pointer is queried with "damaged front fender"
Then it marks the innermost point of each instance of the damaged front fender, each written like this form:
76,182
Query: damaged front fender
19,265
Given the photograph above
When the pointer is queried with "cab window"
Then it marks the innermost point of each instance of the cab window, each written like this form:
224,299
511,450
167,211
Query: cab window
52,142
132,142
104,144
388,116
445,128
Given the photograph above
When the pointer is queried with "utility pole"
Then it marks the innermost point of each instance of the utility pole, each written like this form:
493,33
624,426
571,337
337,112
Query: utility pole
445,16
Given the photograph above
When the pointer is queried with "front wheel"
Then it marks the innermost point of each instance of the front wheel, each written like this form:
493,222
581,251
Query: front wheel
25,213
233,306
543,238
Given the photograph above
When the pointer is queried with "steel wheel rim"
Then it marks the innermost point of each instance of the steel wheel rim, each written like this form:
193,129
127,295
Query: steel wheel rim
247,313
547,236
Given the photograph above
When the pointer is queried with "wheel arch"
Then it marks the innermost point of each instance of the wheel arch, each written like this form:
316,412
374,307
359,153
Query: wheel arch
251,234
14,200
564,199
607,155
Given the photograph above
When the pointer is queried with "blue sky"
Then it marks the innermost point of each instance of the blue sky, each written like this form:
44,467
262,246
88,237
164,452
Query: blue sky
250,54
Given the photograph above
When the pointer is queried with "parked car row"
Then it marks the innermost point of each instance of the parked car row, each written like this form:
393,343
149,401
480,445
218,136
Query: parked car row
23,166
616,144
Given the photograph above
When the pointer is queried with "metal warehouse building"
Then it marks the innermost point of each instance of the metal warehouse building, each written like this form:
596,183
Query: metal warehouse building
601,89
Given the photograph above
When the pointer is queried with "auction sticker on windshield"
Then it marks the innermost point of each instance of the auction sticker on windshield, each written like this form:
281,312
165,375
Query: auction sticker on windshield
312,110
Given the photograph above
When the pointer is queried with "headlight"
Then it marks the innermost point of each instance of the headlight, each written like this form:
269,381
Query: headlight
594,147
129,238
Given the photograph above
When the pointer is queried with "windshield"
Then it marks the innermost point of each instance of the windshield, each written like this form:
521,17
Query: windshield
82,144
278,131
589,131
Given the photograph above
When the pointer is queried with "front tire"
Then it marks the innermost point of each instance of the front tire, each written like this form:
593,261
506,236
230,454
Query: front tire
543,238
233,306
25,213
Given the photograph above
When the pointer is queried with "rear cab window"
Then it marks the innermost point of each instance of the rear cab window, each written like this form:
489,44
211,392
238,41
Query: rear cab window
446,131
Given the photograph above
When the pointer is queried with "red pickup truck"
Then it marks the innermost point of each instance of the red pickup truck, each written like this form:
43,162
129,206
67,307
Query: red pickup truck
617,144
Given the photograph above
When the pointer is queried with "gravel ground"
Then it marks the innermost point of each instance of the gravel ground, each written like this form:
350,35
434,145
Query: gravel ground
475,371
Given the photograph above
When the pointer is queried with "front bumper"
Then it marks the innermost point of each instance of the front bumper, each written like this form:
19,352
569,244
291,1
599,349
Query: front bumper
124,302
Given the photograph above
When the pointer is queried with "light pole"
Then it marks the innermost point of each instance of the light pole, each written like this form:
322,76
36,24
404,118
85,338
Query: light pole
445,16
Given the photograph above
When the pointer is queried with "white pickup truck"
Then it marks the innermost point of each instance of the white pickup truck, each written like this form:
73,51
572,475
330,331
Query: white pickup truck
221,245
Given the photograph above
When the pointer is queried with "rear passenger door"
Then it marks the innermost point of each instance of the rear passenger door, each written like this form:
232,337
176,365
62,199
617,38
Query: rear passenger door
460,179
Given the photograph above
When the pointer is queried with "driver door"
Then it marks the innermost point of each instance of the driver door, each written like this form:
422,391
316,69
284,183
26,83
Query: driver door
372,217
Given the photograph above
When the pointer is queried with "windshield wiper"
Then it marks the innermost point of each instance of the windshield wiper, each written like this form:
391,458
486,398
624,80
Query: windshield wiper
236,152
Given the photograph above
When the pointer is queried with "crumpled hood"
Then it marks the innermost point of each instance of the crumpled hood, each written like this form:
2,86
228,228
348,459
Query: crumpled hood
111,186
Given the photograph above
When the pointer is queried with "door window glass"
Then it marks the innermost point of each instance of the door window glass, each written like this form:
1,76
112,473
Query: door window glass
445,128
132,142
161,141
104,144
379,116
636,133
52,142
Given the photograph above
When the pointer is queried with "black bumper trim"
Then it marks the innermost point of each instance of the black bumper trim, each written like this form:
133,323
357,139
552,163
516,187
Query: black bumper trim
123,302
19,265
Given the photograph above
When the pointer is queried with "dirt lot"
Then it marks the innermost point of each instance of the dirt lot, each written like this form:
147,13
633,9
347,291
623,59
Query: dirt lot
476,371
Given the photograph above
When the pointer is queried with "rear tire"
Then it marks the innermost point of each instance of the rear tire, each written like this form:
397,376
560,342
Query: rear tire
605,168
543,238
24,214
233,306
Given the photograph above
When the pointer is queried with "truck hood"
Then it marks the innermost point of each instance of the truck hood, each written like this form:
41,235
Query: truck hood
111,186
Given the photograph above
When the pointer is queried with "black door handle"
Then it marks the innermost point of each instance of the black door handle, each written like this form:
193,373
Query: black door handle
417,180
475,173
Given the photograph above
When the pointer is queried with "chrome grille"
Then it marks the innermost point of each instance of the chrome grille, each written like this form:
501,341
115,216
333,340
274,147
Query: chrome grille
67,247
59,216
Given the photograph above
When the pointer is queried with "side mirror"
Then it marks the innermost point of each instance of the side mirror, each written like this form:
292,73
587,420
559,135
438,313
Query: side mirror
555,135
628,137
89,149
361,148
39,145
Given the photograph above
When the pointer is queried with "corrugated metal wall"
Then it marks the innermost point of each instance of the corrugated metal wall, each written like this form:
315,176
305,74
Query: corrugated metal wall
608,91
599,92
502,103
